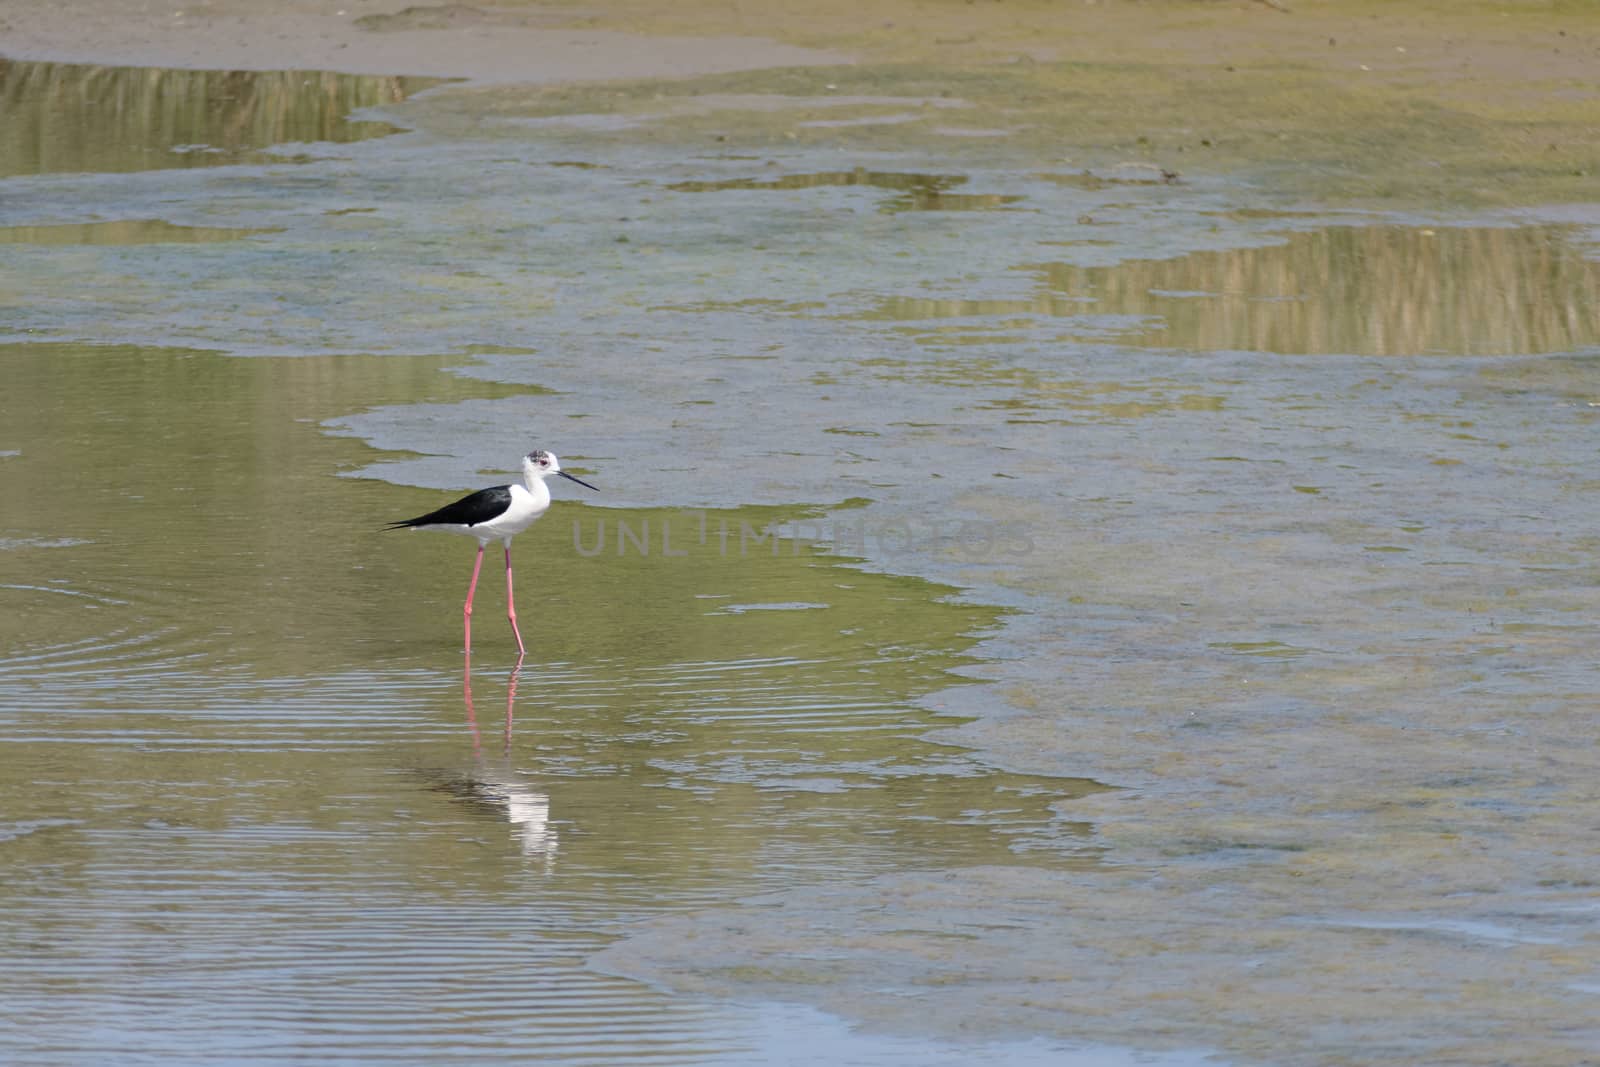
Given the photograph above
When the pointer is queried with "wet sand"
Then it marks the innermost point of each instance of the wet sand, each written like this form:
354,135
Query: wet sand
528,46
1481,48
1471,103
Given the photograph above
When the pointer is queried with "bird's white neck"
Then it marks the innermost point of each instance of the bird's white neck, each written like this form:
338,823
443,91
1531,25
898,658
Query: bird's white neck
536,487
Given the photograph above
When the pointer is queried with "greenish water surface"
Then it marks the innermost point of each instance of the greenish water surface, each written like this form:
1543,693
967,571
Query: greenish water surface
247,779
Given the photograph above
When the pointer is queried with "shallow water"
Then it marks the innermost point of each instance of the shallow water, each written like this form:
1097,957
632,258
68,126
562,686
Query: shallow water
1265,532
245,769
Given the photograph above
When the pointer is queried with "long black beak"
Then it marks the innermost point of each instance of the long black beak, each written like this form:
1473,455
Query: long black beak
580,481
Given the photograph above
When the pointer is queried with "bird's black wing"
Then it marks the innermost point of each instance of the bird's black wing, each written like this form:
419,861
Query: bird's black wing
470,510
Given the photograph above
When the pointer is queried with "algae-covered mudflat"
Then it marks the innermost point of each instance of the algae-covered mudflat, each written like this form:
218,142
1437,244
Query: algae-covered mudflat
1094,560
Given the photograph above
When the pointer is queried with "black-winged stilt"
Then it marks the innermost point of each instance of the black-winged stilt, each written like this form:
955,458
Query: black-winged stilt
496,514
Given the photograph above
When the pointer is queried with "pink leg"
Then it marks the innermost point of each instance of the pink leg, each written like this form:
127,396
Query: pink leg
466,612
511,606
472,715
511,700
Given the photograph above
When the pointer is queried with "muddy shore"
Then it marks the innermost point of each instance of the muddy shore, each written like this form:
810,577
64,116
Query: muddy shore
1468,103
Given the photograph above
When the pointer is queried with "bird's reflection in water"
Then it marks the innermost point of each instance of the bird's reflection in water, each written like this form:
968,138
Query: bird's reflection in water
495,786
472,714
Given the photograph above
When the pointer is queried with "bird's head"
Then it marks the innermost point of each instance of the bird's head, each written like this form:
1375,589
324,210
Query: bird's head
540,464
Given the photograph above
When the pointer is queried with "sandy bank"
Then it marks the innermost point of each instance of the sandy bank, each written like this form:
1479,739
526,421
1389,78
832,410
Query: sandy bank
1467,103
370,37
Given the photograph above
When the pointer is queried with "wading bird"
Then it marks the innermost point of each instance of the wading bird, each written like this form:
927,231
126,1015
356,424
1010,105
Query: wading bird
496,514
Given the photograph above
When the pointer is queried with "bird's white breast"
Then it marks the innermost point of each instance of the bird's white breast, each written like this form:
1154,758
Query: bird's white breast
526,507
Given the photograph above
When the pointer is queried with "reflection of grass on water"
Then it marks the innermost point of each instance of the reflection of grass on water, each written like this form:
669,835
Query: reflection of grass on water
76,117
1359,290
124,232
1368,290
